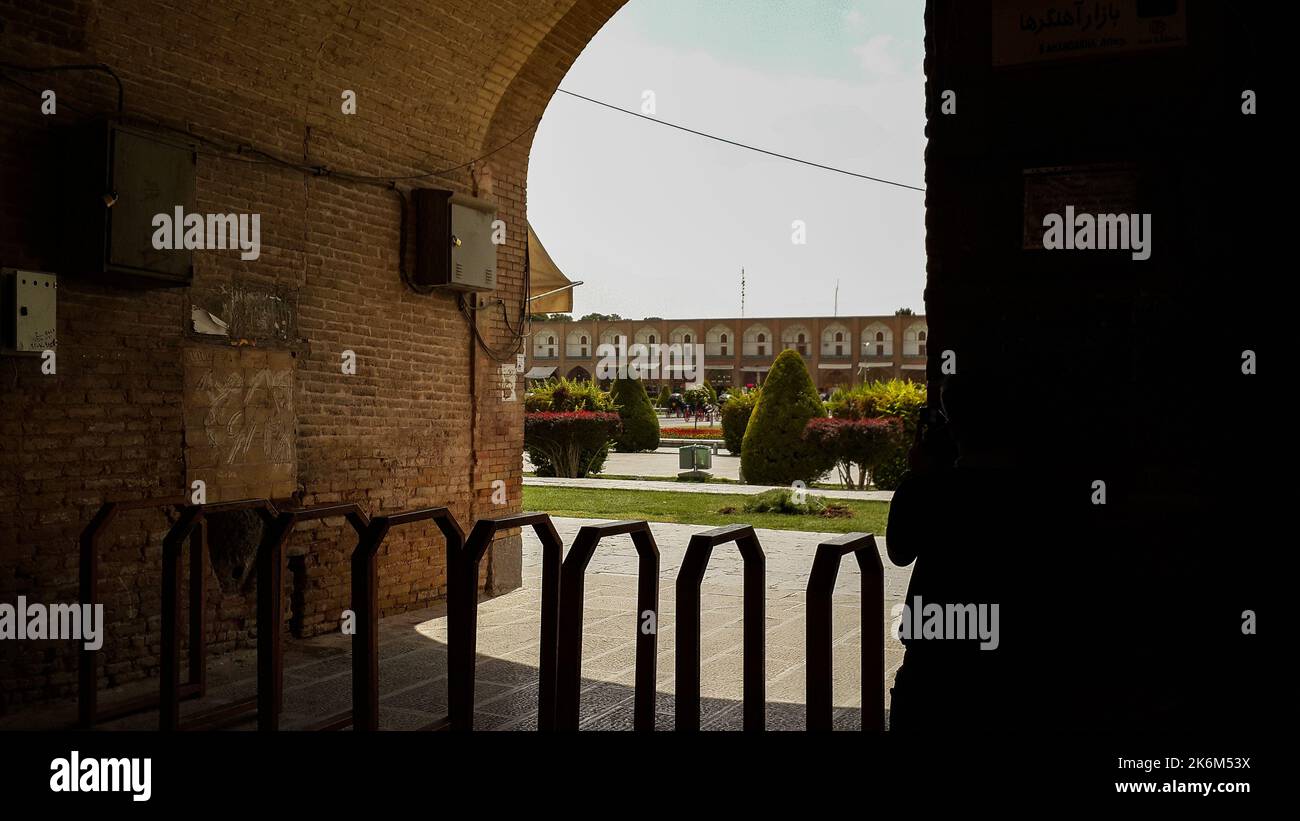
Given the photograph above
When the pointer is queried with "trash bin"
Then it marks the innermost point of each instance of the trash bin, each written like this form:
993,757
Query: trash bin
694,457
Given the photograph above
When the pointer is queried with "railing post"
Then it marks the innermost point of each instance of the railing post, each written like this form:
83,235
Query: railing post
365,642
88,712
87,668
463,615
270,620
689,578
169,714
198,610
365,600
821,584
573,584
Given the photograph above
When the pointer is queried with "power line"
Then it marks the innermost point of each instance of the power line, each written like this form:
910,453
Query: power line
740,144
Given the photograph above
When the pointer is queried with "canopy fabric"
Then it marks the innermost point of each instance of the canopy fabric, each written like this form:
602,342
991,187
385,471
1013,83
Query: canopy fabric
545,281
539,373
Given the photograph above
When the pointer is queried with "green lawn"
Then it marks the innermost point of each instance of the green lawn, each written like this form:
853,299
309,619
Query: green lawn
694,508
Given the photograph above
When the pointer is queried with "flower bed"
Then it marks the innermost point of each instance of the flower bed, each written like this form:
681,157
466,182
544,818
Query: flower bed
690,433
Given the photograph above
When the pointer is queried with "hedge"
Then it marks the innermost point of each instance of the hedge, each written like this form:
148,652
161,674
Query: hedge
568,443
845,443
896,398
567,396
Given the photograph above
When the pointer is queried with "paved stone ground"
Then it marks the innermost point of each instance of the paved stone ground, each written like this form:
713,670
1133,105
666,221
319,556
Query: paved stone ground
661,462
699,487
413,648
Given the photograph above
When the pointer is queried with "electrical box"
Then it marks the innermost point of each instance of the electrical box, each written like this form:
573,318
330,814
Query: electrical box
453,237
114,181
29,300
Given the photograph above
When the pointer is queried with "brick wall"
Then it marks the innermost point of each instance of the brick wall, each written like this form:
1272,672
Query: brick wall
421,423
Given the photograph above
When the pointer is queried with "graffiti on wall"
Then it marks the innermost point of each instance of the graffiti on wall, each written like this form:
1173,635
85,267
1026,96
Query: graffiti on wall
240,422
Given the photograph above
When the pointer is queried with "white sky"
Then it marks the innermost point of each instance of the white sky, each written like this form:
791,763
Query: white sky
657,222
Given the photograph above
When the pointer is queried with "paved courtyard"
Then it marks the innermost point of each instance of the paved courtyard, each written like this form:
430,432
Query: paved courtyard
413,647
661,462
700,487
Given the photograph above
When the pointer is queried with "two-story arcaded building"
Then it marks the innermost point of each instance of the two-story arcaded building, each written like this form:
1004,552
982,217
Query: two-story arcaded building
739,352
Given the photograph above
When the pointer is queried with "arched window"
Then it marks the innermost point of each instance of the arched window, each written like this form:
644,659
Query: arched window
724,339
687,339
754,340
550,340
651,339
914,340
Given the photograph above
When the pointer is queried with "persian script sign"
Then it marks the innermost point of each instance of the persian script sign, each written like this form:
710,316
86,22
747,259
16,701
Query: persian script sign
1029,31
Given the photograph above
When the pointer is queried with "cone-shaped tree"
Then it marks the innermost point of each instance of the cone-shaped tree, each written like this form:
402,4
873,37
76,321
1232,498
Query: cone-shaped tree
640,425
774,451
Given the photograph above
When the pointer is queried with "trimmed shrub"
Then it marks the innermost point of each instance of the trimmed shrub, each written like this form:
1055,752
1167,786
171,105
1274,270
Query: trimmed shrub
773,451
665,396
897,398
735,418
844,443
568,443
567,396
640,424
563,395
781,500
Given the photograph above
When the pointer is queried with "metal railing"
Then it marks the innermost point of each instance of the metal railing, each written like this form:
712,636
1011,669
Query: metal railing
562,600
462,616
698,551
572,586
365,603
821,584
190,528
89,712
270,566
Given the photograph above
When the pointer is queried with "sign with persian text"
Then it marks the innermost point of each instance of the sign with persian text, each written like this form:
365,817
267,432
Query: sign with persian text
1030,31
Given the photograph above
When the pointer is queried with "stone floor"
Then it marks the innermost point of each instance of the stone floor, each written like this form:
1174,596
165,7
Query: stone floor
413,648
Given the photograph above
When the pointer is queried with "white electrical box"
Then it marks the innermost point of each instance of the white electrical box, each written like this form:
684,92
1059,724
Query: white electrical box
29,302
473,254
453,241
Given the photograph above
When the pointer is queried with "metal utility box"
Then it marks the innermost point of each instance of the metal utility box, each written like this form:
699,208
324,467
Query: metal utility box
29,301
453,238
114,181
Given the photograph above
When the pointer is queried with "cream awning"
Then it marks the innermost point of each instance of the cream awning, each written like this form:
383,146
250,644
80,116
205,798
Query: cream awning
539,373
549,290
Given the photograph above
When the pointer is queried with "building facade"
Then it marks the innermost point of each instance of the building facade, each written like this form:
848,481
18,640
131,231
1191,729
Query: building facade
738,352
